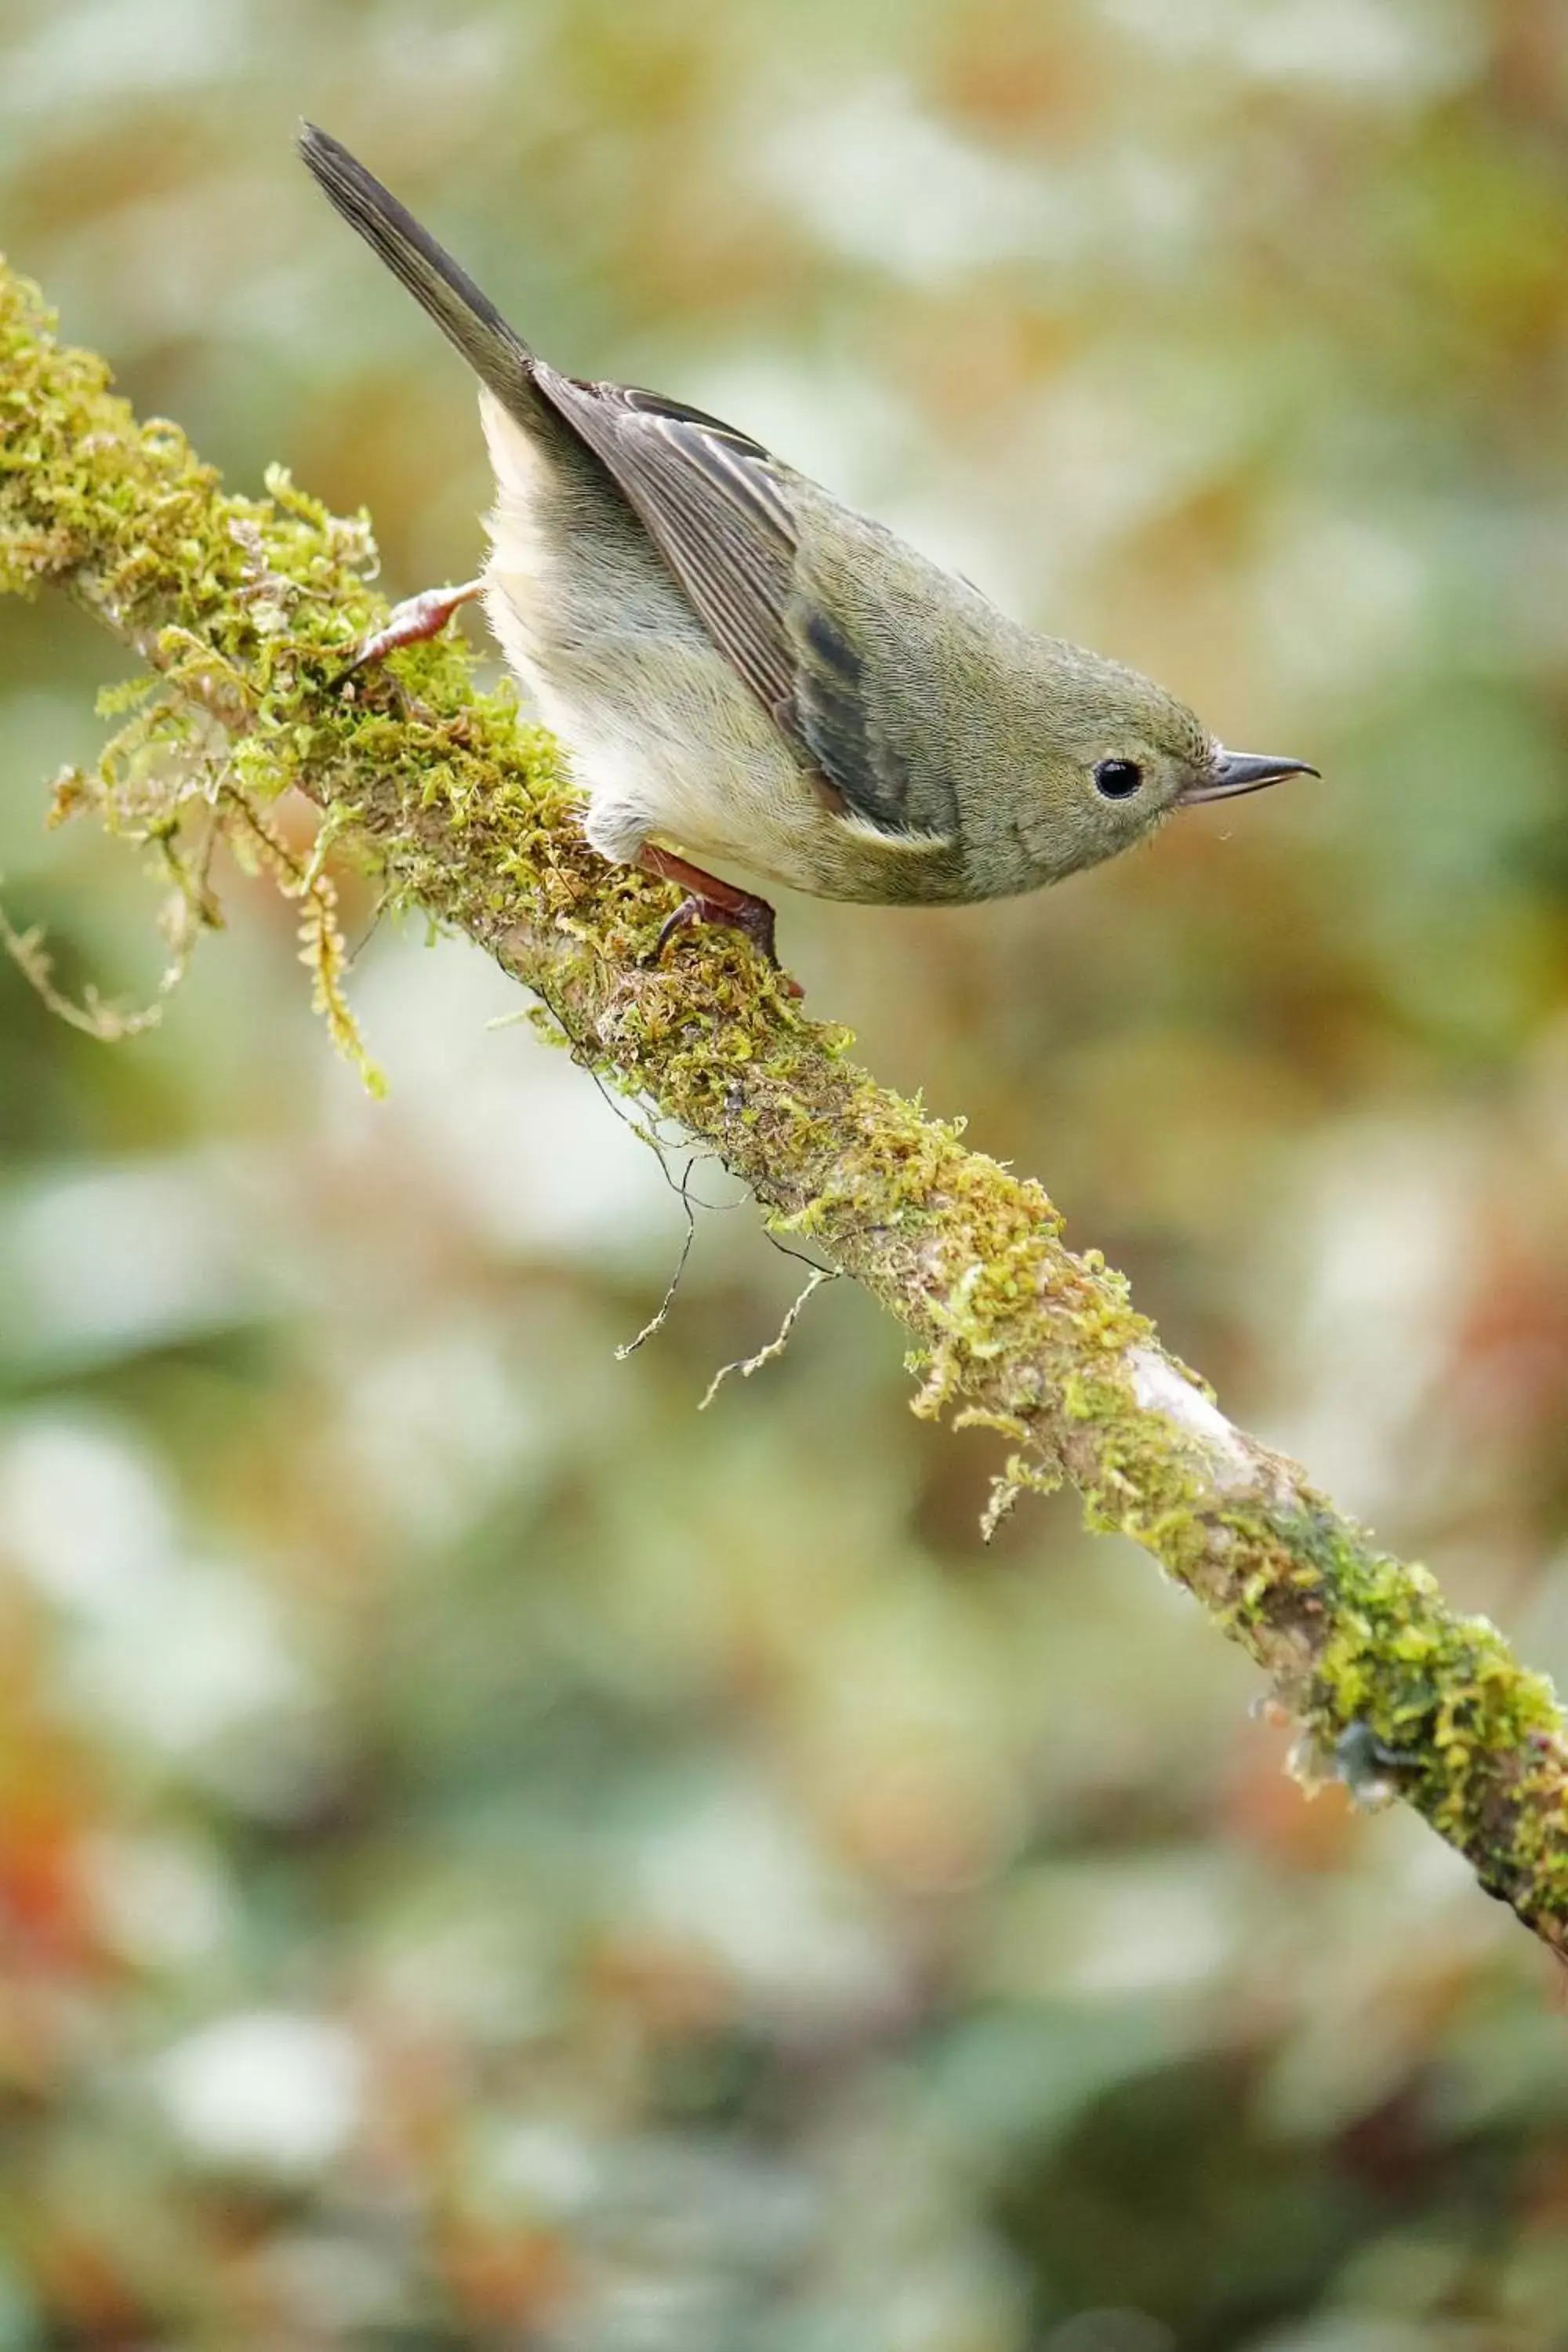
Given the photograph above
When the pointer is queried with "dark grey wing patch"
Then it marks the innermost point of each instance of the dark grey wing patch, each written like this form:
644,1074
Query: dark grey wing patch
714,505
829,715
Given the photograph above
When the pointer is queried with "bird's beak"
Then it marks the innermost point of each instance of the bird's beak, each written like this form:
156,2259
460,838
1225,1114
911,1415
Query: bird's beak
1231,772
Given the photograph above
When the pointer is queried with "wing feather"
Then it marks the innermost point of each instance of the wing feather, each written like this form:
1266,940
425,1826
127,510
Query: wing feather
714,507
717,507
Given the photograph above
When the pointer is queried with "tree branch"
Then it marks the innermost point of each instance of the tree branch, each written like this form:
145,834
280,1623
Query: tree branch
243,610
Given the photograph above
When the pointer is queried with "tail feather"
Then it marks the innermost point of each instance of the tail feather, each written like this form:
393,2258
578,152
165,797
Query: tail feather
498,356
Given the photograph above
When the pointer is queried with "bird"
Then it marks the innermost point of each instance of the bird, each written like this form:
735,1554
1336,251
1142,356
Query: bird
746,672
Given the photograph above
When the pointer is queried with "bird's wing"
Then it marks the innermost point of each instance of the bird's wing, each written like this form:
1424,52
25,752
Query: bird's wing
716,507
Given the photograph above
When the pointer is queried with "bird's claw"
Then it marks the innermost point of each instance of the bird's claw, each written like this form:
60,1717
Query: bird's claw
412,622
710,900
754,920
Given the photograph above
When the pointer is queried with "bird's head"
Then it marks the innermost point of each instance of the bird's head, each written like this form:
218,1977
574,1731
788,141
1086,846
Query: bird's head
1122,755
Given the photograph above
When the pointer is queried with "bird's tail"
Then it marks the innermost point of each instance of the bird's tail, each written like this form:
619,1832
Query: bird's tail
498,356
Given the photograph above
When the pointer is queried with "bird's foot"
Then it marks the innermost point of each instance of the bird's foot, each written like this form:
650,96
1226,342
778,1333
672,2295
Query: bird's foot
710,900
411,623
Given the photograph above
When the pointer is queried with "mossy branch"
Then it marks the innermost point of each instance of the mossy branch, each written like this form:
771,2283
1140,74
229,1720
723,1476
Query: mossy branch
242,610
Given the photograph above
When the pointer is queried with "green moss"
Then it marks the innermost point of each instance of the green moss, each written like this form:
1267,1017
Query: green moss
1479,1733
245,610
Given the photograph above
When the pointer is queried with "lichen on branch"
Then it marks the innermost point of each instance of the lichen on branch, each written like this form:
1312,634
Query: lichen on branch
243,610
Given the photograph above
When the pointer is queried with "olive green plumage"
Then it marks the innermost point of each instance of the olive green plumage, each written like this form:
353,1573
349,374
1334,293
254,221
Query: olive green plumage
748,672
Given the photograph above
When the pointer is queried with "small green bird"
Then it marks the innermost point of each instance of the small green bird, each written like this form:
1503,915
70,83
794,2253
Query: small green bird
745,671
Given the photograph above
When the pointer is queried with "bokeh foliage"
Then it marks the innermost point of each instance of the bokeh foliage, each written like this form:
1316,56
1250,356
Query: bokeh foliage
487,1855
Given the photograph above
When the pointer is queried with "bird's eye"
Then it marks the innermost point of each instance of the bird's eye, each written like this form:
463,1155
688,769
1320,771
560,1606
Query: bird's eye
1118,779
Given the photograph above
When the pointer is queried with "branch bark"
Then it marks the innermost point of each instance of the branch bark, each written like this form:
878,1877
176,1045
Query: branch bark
242,610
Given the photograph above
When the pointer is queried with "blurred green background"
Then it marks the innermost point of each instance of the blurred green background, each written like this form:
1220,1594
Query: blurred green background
489,1857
